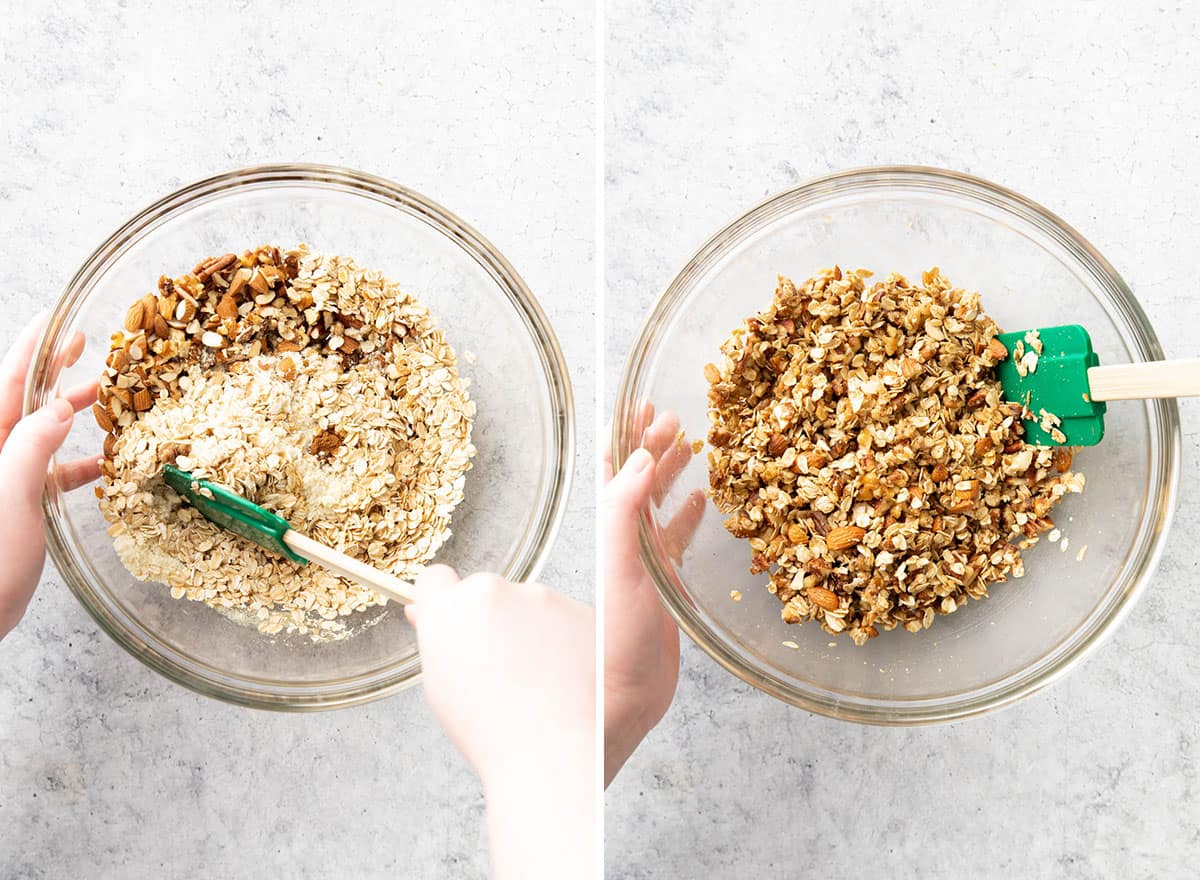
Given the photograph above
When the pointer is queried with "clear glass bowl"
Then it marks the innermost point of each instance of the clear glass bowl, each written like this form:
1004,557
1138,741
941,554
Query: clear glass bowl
1032,270
515,494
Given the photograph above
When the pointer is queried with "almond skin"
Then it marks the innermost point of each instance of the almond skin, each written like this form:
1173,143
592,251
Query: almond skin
822,597
133,317
102,418
843,537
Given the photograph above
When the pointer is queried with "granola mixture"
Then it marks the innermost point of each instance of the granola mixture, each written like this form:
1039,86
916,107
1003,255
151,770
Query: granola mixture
862,444
316,389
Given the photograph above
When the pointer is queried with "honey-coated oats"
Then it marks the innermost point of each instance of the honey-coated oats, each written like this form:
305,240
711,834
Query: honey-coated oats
861,444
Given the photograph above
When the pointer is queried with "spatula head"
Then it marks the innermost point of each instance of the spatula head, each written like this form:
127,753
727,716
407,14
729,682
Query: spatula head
1058,384
232,512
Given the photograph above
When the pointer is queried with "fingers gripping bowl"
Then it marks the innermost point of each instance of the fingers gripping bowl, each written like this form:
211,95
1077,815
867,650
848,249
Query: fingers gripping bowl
513,498
1031,270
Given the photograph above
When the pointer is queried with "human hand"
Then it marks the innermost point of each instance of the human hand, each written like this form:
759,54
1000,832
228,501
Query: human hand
510,673
641,640
26,446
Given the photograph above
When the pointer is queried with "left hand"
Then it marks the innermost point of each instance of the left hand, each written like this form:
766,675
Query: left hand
26,447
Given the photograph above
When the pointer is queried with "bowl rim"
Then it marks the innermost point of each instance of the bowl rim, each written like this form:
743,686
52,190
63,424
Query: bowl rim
1165,440
556,481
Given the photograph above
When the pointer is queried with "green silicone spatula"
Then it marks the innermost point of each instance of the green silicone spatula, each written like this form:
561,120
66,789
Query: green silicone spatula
242,517
1065,380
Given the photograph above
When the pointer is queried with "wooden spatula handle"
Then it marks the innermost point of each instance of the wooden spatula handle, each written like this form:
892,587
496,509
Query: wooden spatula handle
1146,380
349,567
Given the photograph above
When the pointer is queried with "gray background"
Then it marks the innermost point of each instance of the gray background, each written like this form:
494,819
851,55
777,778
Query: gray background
1088,108
107,769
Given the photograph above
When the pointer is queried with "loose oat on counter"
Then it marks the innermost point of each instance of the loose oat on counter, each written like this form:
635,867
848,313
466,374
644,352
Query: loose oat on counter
862,445
316,389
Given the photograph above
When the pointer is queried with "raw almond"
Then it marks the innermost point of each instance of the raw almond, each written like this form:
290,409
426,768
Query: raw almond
133,317
149,310
796,534
822,597
142,400
777,444
842,537
102,418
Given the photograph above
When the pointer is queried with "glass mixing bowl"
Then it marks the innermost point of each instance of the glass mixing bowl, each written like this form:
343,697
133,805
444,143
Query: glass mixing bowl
1032,271
515,494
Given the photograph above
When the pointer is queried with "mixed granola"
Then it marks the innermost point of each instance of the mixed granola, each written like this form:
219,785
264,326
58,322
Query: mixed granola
861,443
317,389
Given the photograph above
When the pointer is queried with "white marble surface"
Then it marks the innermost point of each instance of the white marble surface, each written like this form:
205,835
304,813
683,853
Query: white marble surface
1089,109
106,769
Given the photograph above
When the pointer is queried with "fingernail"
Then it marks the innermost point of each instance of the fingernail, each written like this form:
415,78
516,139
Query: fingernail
60,409
639,460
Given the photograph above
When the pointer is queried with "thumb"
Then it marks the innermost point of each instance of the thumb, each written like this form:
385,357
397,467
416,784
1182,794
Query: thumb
624,498
27,451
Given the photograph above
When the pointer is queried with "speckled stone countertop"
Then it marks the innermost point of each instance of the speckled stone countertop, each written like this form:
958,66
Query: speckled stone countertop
1091,111
107,769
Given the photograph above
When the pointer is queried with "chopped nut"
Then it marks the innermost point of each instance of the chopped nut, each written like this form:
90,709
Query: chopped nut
996,350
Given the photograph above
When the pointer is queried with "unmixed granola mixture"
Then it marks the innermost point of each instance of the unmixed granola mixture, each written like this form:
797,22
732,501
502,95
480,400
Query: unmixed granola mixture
316,389
862,444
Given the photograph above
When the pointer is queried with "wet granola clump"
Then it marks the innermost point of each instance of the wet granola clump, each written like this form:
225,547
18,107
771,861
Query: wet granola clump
862,445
